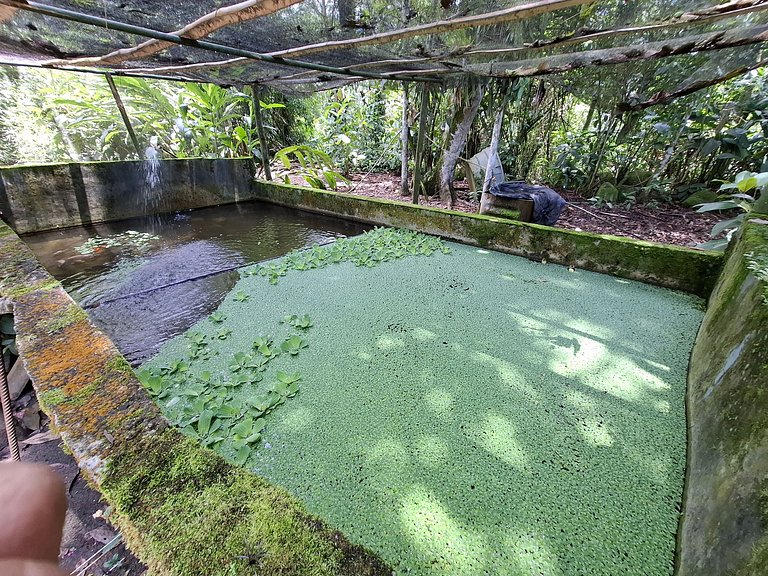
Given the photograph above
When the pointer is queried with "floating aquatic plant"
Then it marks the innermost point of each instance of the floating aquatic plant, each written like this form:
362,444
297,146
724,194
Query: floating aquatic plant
225,411
131,239
369,249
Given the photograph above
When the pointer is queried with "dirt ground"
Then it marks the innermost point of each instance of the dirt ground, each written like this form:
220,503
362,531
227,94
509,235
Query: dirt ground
666,223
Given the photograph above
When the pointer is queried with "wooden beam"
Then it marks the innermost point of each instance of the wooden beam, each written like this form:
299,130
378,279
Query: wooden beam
124,115
200,28
91,20
513,14
731,9
707,16
623,54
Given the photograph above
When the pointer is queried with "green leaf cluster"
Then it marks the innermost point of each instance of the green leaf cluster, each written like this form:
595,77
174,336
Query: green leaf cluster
226,412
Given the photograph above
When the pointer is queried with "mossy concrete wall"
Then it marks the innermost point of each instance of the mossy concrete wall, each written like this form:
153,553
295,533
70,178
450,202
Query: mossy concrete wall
689,270
725,522
43,197
182,509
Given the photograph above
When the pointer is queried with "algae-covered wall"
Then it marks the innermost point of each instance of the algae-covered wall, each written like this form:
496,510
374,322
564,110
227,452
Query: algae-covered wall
43,197
181,508
725,522
693,271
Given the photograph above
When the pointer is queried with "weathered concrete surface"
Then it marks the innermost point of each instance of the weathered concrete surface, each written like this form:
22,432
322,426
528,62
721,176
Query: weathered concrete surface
43,197
685,269
725,522
182,509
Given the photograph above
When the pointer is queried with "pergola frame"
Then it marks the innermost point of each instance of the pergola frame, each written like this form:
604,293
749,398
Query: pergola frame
447,65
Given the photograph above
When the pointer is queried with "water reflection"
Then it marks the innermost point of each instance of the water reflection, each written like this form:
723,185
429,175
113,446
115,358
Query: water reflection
143,289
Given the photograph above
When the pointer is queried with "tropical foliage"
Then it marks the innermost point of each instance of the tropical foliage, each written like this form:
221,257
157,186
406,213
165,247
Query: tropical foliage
610,144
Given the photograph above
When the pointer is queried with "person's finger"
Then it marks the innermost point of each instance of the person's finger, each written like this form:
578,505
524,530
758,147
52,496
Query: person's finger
32,506
18,567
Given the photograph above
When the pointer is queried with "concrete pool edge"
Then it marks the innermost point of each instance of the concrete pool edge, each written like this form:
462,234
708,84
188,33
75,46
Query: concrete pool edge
181,508
678,268
724,528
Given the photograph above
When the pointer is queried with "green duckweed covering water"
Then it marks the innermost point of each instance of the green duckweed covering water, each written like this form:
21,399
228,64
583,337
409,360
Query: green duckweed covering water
462,413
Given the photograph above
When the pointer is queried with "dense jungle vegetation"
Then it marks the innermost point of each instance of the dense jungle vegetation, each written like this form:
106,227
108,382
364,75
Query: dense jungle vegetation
599,133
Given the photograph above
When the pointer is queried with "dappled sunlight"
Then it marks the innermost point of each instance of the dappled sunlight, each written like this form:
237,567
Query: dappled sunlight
300,419
431,451
451,547
589,356
591,423
498,436
532,553
439,400
422,334
508,374
386,342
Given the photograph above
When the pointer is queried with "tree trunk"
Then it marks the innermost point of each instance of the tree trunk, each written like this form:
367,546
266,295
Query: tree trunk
495,140
458,141
418,160
404,133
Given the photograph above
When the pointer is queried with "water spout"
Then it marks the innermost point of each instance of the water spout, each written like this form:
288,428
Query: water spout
152,176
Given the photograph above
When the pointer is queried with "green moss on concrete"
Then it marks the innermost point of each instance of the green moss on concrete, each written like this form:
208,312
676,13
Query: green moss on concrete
189,513
693,271
723,529
119,364
58,398
70,315
509,214
49,399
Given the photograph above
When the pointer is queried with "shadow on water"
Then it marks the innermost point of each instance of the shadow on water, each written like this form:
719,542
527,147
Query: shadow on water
146,280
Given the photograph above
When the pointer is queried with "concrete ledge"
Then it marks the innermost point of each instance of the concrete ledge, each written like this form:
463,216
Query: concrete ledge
43,197
685,269
725,522
182,509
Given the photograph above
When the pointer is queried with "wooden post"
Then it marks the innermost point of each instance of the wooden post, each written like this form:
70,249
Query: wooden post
260,130
124,114
420,143
404,133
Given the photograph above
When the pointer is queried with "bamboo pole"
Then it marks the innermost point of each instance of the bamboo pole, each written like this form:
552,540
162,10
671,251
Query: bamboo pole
706,16
260,130
417,168
124,114
513,14
667,97
100,22
200,28
623,54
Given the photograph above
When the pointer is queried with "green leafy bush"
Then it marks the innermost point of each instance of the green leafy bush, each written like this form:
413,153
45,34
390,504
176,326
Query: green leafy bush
757,200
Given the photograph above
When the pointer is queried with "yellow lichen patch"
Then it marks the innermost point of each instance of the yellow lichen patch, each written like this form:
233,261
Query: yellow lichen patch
79,374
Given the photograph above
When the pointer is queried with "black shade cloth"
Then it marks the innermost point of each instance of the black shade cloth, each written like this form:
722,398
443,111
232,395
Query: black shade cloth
547,204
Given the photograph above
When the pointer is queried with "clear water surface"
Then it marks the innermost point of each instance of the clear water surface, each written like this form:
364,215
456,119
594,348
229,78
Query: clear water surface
146,280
